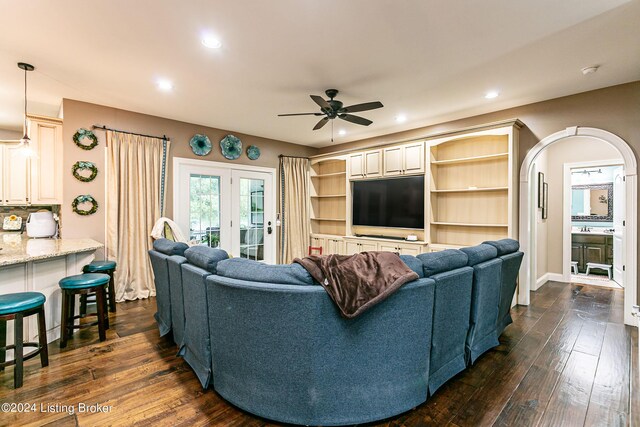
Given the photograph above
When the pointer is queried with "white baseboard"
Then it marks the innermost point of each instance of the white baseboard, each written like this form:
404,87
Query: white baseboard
556,277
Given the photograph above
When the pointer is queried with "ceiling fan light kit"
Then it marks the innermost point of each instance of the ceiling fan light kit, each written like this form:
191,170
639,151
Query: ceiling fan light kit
332,109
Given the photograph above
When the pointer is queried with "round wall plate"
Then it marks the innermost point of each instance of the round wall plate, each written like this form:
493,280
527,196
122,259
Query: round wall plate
231,147
200,145
253,152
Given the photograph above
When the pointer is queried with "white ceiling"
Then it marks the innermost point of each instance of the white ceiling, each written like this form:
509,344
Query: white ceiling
431,60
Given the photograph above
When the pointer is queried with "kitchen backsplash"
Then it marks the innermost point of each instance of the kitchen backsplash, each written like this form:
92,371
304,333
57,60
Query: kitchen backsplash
24,211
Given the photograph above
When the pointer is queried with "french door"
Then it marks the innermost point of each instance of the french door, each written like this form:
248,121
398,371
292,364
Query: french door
226,207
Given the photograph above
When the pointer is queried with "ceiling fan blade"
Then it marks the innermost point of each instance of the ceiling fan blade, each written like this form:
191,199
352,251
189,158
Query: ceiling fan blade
355,119
362,107
301,114
321,123
320,101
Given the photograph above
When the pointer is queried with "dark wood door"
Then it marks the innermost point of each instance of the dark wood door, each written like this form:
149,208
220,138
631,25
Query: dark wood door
595,253
577,254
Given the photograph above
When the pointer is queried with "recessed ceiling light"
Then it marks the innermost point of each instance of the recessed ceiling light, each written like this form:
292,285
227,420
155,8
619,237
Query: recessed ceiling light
342,132
491,94
211,42
164,85
401,118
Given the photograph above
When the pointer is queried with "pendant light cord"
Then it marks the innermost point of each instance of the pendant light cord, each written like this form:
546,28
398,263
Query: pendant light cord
25,101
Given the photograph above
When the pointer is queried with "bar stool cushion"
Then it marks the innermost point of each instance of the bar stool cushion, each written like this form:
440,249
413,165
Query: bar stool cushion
22,301
99,266
82,281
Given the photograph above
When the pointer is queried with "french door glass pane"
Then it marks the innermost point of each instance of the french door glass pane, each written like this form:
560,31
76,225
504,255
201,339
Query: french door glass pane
204,209
252,218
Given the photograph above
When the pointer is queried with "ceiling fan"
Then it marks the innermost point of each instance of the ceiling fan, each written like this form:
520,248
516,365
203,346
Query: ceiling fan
332,108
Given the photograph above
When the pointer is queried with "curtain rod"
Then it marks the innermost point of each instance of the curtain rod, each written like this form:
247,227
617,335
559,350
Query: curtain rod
131,133
293,157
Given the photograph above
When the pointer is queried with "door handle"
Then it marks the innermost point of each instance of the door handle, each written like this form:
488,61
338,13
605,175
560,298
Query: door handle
269,229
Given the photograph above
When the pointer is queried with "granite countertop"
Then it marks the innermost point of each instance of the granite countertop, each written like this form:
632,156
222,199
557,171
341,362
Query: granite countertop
18,248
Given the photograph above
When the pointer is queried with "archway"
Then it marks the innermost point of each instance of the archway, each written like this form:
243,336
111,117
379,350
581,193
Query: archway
527,193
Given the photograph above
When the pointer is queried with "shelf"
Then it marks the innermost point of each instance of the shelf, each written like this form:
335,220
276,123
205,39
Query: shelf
329,219
325,175
471,190
470,159
467,224
329,196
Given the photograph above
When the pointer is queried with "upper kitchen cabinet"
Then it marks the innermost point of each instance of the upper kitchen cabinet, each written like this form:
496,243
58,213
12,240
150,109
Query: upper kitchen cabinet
34,180
46,165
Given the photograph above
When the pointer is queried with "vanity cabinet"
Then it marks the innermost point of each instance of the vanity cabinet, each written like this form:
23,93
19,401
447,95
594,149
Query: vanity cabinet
587,248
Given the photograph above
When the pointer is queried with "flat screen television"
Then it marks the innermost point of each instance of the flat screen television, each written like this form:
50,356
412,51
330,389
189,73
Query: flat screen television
390,202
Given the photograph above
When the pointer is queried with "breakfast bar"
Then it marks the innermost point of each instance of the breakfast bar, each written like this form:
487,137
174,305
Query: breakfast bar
37,265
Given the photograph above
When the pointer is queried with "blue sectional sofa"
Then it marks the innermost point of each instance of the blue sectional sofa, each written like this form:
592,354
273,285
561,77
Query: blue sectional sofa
270,340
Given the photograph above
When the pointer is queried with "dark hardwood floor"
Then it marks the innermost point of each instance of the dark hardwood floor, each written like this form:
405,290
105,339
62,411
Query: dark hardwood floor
567,360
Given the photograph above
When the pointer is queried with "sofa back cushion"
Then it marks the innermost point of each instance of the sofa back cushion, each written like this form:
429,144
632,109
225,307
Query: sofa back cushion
413,263
169,247
504,246
205,257
480,253
438,262
254,271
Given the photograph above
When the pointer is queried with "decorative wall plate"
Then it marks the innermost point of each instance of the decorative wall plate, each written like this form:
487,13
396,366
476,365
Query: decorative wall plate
86,198
253,152
84,166
82,134
231,147
200,145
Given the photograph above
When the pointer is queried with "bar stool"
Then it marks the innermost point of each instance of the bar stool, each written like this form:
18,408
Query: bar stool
83,284
16,307
106,267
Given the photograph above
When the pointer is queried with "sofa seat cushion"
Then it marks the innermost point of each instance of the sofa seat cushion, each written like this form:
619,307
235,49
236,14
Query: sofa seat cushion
413,263
480,253
438,262
169,247
254,271
504,246
205,257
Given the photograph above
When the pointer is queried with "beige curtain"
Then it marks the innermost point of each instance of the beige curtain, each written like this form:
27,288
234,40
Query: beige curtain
134,187
295,216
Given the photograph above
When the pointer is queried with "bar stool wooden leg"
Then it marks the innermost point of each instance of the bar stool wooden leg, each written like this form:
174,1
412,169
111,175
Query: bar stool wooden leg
18,350
100,302
112,293
72,313
42,338
3,343
83,305
64,320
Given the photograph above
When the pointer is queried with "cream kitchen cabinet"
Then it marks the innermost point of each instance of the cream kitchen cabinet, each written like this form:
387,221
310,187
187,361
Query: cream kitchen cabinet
366,164
404,159
35,180
15,172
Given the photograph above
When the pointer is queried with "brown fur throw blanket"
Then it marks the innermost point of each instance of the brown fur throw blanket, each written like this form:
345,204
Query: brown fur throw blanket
358,282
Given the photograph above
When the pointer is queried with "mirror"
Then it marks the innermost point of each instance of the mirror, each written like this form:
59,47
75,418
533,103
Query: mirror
592,202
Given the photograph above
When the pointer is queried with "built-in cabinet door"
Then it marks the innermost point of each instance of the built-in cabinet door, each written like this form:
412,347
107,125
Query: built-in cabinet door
413,156
410,250
351,247
318,242
577,255
373,163
15,173
393,161
368,246
388,247
356,165
334,246
46,165
2,202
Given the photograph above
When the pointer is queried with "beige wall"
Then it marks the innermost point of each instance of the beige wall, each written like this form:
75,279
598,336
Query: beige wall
569,150
11,135
615,109
83,115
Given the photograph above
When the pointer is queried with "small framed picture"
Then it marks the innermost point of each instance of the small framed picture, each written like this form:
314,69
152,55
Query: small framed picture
540,189
545,200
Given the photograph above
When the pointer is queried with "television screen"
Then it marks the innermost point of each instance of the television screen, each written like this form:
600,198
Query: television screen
395,202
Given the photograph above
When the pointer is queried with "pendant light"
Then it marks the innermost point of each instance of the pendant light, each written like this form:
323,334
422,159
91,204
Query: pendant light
25,142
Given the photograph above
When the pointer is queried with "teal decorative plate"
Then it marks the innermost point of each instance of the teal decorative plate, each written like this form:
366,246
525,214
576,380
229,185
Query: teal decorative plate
200,145
253,152
231,147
